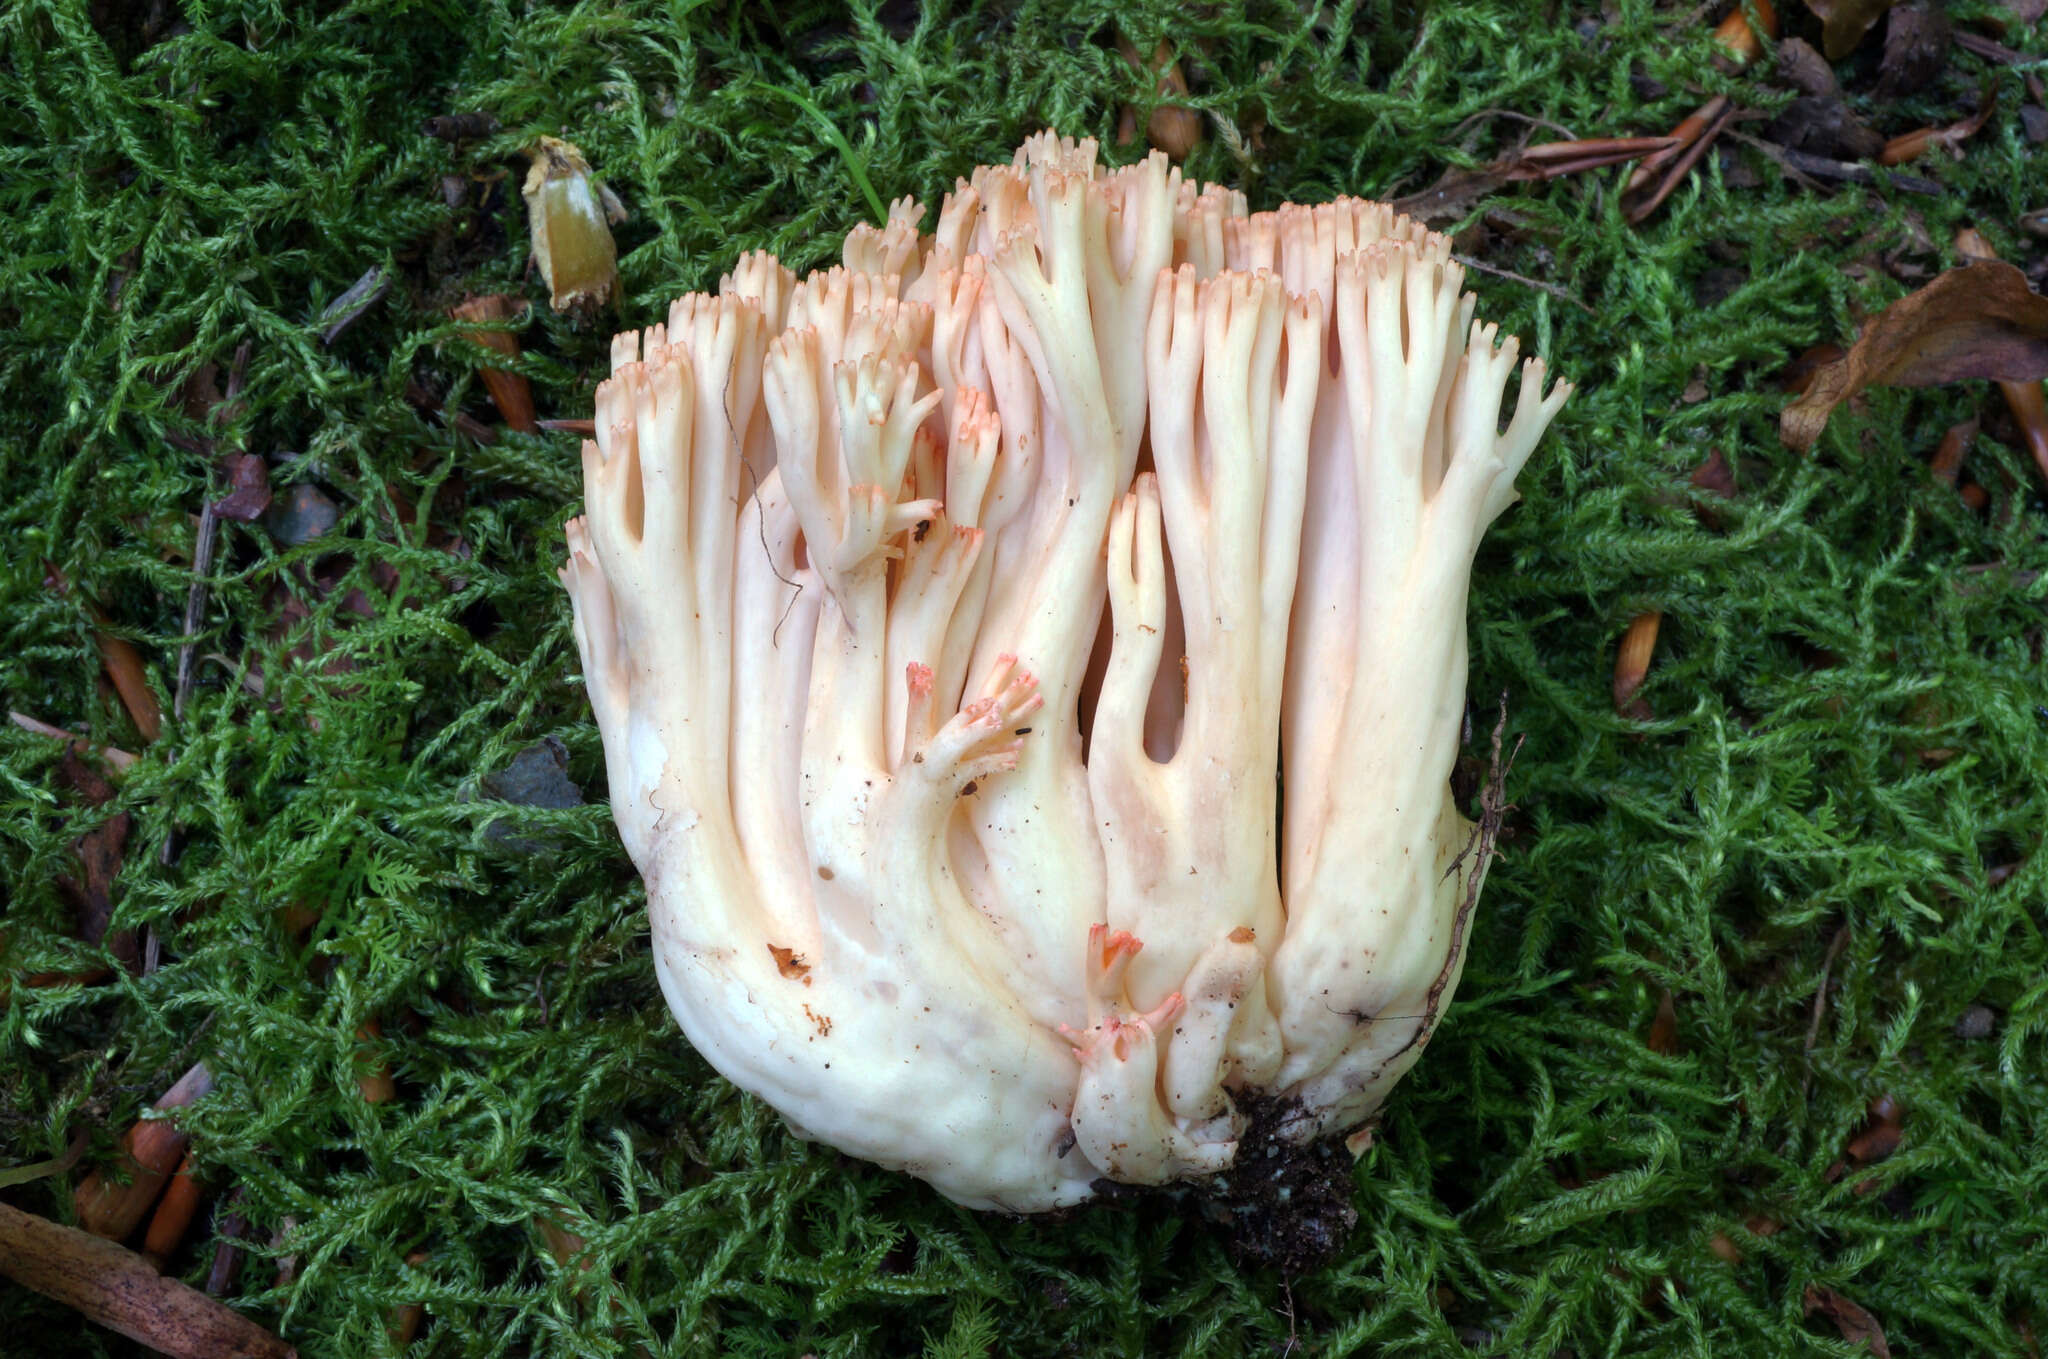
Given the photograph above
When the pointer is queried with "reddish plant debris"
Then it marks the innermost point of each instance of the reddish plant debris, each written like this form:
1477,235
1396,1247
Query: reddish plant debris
1947,462
174,1213
112,1206
1844,22
1663,1036
1913,145
1172,128
510,392
248,488
1632,664
1879,1138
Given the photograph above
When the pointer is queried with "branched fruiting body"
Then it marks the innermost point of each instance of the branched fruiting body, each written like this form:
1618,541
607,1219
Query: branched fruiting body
947,616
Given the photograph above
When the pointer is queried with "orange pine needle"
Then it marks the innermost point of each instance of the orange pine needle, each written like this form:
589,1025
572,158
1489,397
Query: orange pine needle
151,1150
510,392
174,1213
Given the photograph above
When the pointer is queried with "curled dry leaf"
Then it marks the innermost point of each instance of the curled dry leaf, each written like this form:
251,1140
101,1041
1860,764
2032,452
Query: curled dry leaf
2023,396
1844,22
1855,1323
1913,145
1979,321
1173,129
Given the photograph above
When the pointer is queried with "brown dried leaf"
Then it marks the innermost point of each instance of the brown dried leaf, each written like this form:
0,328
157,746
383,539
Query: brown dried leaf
1844,22
1663,1036
249,488
1856,1325
1979,321
1715,474
100,852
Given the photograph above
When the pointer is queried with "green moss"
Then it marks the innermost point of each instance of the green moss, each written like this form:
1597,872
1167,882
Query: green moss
1544,1183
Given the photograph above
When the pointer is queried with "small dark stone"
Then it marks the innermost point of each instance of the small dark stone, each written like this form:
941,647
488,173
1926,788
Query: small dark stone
537,777
2034,123
1976,1022
301,514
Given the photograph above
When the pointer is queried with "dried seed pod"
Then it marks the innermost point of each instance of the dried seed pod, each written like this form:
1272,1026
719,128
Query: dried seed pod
566,213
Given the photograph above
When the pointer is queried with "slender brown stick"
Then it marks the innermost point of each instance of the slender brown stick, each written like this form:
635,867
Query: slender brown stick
119,1290
1524,280
118,758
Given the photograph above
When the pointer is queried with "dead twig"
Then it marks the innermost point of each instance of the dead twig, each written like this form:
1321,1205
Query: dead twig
1820,1001
119,1290
346,310
114,756
1456,191
1524,280
1802,163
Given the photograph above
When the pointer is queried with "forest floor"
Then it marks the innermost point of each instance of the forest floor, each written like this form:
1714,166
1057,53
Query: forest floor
1751,1053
